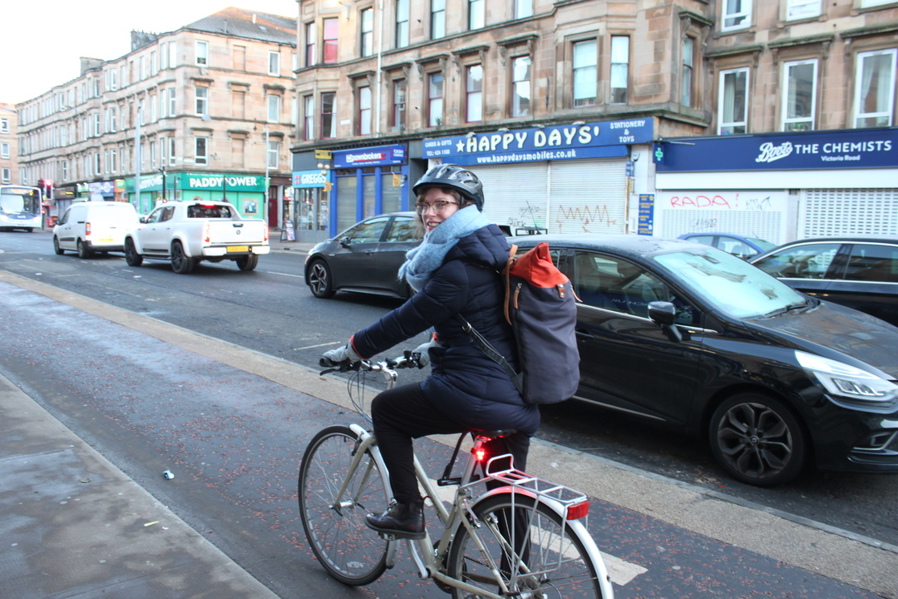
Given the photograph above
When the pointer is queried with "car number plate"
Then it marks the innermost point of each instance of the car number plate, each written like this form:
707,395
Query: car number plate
107,239
238,248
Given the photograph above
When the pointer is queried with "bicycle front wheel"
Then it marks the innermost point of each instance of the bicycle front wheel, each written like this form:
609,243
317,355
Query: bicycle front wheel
531,548
335,527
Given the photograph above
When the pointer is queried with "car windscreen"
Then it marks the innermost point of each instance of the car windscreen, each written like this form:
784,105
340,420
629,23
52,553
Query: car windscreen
729,284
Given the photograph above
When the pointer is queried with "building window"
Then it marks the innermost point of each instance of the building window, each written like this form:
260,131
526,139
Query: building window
802,9
328,122
311,44
523,9
367,45
201,145
474,93
402,23
171,101
872,3
736,14
4,125
4,150
476,14
202,55
686,81
437,19
799,95
274,109
308,107
154,63
520,86
585,61
7,175
171,150
732,104
364,110
273,154
274,63
202,101
620,68
874,96
331,36
397,116
434,99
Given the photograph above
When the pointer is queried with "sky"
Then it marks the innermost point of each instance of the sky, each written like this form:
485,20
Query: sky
43,40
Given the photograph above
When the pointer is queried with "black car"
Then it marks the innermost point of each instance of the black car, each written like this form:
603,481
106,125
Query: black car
859,272
686,335
364,258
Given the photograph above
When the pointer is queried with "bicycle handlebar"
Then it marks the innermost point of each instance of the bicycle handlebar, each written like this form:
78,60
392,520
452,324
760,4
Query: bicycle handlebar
409,359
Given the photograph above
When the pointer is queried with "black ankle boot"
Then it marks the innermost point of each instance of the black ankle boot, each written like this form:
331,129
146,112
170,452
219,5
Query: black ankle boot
403,520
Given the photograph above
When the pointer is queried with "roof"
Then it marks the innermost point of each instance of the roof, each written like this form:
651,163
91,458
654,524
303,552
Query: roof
241,22
633,245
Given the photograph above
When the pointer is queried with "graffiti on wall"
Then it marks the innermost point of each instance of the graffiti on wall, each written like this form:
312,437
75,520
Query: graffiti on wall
760,213
733,201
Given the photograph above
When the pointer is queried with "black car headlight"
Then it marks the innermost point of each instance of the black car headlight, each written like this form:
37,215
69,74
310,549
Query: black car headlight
849,386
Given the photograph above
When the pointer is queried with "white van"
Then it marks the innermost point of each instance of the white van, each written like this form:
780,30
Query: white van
88,227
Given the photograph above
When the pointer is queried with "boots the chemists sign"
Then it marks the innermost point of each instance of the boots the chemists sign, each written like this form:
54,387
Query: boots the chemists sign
562,142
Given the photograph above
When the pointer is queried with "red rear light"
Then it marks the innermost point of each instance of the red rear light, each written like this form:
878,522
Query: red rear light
87,228
577,511
266,233
480,454
206,234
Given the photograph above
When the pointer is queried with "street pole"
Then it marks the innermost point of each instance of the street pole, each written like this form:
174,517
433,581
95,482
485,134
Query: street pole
265,209
162,170
137,156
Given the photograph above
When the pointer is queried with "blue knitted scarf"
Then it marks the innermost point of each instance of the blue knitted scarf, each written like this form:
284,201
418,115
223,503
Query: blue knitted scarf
421,261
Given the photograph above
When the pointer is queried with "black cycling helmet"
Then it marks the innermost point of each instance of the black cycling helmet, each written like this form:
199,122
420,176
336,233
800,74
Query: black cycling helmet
455,177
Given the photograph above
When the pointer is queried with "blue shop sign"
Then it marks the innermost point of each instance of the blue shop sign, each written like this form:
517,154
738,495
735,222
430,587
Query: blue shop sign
377,156
563,142
305,179
858,148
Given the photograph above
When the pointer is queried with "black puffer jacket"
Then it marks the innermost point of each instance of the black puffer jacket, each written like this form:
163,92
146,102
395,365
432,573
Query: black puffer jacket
465,385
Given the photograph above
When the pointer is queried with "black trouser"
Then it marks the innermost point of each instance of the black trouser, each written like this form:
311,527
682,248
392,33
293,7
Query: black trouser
404,413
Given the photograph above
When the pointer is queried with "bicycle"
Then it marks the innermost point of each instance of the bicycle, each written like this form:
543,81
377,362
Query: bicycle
521,537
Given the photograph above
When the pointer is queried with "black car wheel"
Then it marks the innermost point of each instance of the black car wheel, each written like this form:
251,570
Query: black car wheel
83,251
59,251
181,263
131,255
247,263
320,280
757,440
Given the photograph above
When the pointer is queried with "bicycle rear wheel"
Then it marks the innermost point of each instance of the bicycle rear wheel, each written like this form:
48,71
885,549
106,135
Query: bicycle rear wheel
528,543
349,550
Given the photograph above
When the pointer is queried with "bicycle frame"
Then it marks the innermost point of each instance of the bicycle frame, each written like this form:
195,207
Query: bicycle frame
429,558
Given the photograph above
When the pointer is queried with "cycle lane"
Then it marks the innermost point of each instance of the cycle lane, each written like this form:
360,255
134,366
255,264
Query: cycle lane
231,424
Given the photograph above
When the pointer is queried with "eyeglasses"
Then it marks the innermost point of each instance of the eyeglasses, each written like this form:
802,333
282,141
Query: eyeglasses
423,207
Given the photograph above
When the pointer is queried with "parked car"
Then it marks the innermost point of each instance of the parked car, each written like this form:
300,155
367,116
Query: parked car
89,227
186,233
743,247
688,336
859,272
364,258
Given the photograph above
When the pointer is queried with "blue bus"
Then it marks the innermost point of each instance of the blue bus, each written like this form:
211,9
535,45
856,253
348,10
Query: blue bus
20,208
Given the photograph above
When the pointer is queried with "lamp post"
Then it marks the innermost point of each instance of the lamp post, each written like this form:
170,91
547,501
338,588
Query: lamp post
267,162
137,156
162,170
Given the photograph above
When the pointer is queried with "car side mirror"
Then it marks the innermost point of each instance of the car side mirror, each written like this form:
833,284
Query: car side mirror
346,242
143,220
664,314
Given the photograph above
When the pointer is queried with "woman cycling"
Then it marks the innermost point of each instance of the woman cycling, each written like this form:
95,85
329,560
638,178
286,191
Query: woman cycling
454,271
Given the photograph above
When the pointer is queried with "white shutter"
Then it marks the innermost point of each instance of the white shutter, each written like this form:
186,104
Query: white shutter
828,212
515,195
588,196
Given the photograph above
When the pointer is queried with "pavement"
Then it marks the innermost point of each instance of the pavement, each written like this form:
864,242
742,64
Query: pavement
75,526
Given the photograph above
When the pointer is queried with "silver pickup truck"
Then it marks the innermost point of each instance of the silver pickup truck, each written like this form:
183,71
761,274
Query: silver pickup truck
188,232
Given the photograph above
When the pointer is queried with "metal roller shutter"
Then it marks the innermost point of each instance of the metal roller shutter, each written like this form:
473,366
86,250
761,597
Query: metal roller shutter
588,196
827,212
515,195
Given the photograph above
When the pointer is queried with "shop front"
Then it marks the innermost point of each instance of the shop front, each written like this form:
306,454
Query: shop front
779,187
311,218
574,178
245,192
368,181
